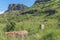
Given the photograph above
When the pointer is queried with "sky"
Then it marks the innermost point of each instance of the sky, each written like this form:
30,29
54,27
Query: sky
4,3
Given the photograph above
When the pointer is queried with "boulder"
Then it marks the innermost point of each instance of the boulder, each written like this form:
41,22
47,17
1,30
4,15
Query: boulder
42,26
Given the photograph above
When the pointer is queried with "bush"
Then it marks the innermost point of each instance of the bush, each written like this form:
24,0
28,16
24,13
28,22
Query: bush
10,27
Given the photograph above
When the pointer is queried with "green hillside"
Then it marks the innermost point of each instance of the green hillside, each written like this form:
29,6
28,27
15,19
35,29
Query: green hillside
30,19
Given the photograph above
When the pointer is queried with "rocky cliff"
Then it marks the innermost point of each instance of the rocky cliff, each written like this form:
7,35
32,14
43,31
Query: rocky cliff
12,7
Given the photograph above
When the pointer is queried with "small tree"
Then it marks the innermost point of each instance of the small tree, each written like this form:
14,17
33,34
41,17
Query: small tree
10,26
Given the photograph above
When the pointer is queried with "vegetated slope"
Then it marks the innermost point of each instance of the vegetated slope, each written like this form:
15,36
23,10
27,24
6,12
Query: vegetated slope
30,19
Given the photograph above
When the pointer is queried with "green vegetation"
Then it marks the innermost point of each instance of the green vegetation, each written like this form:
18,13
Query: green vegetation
30,20
9,27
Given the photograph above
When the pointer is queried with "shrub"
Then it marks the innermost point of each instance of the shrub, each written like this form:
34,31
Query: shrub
10,26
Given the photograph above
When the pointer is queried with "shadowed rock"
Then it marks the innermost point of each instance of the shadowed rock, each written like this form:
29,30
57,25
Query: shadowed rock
50,12
29,12
12,7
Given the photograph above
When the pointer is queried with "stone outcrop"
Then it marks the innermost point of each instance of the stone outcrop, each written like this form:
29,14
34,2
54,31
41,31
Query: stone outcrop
12,7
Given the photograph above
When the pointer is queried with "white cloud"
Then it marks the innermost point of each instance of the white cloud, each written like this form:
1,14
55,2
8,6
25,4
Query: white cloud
2,12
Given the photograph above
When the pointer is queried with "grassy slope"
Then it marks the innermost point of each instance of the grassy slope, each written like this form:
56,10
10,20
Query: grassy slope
32,23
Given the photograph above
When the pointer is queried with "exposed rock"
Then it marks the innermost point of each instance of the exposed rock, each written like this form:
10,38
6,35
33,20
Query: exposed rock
16,7
50,12
42,26
38,1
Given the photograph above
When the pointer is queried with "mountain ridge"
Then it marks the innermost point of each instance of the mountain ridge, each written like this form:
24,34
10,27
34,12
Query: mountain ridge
13,7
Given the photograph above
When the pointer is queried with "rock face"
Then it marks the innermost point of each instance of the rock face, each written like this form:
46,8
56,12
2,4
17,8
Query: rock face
16,7
38,1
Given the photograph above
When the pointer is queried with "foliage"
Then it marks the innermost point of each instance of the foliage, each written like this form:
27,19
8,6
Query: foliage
31,21
10,27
